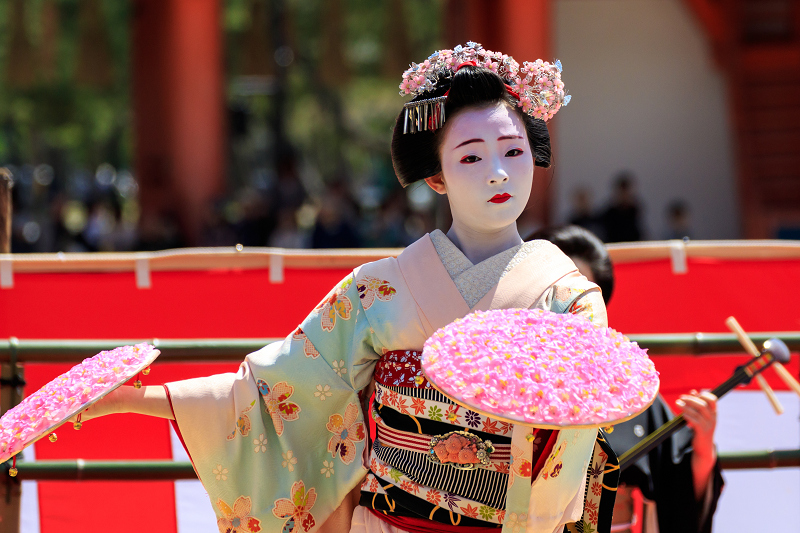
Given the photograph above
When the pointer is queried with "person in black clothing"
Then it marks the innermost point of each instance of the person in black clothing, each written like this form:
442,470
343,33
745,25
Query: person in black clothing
681,478
620,221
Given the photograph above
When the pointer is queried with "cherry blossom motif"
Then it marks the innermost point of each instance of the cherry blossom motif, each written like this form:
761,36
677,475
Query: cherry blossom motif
238,519
289,460
308,347
243,424
520,465
339,367
552,467
347,431
220,473
336,304
277,405
260,443
297,509
370,288
323,392
516,522
327,468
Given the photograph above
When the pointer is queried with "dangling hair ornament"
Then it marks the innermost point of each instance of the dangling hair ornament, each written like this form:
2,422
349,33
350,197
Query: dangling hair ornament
537,86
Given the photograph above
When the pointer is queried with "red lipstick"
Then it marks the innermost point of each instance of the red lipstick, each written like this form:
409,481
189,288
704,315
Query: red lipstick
499,198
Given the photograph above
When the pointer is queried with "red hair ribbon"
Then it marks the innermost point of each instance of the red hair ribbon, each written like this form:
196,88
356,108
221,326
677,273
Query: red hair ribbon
511,91
464,64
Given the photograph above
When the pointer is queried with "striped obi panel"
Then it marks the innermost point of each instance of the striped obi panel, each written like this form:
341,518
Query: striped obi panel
431,458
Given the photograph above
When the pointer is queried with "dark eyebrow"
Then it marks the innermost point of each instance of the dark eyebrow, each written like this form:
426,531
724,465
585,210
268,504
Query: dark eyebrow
468,142
506,137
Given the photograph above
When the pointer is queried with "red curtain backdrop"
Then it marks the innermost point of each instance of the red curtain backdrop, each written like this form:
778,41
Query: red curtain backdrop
228,303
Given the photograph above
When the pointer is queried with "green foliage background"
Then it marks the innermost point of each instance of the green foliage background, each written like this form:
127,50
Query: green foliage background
336,131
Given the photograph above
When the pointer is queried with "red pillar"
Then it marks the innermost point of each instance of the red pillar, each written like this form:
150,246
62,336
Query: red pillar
522,29
178,105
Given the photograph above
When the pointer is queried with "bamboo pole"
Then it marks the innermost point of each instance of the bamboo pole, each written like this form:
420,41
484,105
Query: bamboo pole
81,470
191,350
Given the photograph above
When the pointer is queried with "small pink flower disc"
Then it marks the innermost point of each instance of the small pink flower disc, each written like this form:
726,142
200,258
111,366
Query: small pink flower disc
68,394
539,368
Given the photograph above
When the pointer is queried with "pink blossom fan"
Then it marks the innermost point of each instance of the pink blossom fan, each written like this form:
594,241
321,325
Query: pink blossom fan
69,394
540,368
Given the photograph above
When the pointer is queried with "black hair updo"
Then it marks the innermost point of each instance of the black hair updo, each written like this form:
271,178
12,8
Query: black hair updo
578,242
415,156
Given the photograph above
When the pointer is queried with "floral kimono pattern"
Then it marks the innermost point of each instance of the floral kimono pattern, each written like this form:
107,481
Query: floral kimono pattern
281,443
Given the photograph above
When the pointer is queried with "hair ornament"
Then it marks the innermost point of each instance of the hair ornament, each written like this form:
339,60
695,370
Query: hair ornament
537,85
424,115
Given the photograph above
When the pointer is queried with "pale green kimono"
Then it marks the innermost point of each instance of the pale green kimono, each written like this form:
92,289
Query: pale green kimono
280,444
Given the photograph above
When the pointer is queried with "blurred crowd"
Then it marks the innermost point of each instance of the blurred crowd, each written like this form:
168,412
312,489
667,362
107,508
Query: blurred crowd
620,220
100,211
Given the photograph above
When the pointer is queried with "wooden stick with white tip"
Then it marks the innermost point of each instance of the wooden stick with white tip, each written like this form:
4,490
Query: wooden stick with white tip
753,350
784,374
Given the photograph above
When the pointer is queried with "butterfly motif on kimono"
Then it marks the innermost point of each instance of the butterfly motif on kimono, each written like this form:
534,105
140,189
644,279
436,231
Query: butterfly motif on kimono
296,510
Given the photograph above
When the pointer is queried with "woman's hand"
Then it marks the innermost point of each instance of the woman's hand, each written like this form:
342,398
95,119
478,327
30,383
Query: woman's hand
151,401
110,404
700,412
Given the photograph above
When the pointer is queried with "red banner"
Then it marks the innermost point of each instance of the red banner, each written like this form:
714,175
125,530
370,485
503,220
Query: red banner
233,303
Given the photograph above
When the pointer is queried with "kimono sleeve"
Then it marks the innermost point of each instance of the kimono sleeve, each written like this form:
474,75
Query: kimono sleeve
279,445
577,295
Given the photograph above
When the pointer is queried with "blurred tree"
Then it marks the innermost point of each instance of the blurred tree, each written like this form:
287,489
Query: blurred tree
20,70
46,117
94,55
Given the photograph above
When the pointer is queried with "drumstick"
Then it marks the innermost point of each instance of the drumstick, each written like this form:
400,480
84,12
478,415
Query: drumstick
784,374
774,350
751,348
788,378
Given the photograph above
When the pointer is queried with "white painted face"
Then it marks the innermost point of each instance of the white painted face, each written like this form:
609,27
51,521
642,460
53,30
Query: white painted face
487,168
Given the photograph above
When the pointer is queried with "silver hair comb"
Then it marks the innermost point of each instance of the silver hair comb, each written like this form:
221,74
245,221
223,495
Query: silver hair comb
424,115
